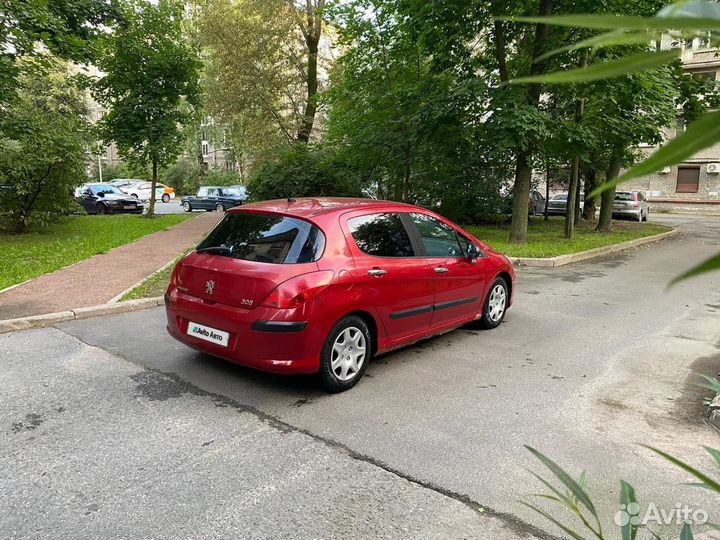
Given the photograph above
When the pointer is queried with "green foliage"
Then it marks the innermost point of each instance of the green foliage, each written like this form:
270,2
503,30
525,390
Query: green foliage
183,176
151,83
67,29
578,503
43,136
304,171
221,177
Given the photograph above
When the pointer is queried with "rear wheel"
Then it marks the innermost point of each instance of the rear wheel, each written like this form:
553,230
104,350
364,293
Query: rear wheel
345,354
220,207
165,198
495,304
187,207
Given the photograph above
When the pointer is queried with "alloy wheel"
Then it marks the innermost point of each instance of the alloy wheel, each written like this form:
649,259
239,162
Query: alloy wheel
348,353
496,305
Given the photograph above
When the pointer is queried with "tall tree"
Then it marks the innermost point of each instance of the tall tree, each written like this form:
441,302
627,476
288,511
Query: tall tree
67,29
43,137
150,85
264,69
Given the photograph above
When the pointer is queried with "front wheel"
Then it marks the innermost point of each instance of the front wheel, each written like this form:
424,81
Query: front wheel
102,209
495,304
345,354
187,207
165,198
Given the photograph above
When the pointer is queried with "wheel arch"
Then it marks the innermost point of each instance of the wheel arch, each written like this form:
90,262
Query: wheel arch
371,324
508,281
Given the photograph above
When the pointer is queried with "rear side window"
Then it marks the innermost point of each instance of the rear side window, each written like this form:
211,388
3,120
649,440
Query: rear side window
266,238
381,235
438,238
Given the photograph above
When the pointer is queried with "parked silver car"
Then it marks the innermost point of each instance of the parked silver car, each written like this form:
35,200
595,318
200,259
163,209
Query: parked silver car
632,204
557,204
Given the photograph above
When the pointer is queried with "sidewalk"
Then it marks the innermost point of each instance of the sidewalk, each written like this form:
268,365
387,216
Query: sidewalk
100,278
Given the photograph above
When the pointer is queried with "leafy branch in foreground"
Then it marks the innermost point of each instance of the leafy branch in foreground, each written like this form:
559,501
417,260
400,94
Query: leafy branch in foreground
576,500
682,20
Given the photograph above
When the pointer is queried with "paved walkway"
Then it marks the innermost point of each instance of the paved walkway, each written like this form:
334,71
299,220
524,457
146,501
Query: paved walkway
100,278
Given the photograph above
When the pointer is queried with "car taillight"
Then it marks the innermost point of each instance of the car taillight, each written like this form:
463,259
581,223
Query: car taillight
174,280
296,291
636,204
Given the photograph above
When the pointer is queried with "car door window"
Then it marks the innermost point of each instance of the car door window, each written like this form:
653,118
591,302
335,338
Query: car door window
212,193
381,235
439,239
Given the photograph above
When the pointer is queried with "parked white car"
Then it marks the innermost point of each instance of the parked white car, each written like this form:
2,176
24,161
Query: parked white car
141,190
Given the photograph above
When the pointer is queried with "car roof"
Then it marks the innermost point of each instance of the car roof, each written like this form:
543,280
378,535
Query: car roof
315,206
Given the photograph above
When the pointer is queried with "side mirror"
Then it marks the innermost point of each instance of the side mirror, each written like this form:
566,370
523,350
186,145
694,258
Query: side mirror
101,194
472,251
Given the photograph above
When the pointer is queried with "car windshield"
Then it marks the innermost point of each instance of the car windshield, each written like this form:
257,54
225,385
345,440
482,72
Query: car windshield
624,196
265,238
230,192
106,190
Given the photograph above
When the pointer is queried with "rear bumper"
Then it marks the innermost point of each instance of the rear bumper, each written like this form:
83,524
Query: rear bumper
279,341
629,212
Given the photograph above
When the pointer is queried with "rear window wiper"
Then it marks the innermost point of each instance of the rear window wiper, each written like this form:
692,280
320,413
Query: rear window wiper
218,250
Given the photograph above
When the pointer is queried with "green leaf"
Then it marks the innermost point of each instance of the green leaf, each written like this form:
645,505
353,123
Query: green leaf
699,135
566,479
712,383
627,496
686,532
604,70
547,516
608,39
714,453
707,482
623,22
710,265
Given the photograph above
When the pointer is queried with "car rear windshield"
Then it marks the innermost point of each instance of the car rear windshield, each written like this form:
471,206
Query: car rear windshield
623,196
265,238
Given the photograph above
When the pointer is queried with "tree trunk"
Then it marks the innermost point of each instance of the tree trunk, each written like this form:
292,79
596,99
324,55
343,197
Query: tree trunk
308,119
523,173
151,205
521,199
590,183
572,195
607,199
21,222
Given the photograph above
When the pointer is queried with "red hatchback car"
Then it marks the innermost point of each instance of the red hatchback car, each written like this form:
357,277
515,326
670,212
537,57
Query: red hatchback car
322,285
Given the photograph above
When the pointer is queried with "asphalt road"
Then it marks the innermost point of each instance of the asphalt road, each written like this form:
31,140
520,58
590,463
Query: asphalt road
112,429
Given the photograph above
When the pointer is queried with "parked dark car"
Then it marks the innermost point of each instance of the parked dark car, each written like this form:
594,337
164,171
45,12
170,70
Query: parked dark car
536,204
214,198
107,199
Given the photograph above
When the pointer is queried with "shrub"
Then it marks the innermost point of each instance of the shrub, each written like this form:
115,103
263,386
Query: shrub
304,171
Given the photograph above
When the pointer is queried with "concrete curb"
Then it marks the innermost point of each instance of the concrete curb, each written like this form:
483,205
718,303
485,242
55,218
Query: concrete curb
38,321
562,260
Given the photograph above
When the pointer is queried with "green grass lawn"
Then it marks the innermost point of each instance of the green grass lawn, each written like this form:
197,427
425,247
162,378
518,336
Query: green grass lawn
546,239
71,240
154,286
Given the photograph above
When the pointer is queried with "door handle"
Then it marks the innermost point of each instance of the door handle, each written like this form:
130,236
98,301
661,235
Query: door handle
377,272
441,270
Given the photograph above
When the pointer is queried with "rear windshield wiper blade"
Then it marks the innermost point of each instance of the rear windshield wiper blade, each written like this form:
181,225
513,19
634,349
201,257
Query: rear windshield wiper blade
218,250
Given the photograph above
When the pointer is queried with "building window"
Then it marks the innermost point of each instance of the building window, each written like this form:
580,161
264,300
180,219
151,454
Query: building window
205,149
688,179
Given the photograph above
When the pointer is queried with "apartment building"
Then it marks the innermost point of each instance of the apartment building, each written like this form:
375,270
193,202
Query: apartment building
694,185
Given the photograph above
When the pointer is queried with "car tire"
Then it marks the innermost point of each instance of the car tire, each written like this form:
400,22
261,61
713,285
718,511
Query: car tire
345,355
220,207
165,198
640,218
101,209
134,195
495,305
187,206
